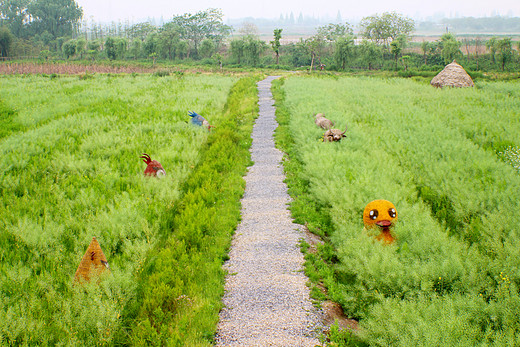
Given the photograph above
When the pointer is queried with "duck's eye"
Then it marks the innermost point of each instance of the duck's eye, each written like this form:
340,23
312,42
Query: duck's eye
373,214
392,212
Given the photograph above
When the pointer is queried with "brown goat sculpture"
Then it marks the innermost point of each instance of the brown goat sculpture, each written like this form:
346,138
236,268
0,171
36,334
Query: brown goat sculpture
333,135
323,122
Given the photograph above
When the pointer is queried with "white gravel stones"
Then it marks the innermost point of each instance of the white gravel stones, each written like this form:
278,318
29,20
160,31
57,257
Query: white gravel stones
267,302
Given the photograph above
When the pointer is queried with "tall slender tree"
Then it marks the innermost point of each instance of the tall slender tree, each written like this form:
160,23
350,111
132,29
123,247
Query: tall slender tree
275,44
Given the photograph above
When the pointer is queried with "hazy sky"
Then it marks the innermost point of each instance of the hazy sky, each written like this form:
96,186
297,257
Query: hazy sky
108,10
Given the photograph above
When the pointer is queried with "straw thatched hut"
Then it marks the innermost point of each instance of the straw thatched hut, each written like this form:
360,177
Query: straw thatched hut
453,75
93,263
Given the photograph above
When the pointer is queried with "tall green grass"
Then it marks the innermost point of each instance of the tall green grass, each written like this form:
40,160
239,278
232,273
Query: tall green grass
452,194
69,171
181,286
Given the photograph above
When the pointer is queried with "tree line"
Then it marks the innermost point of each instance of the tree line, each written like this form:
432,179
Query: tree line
51,29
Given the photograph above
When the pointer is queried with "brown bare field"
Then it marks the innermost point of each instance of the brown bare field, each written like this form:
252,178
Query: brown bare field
12,68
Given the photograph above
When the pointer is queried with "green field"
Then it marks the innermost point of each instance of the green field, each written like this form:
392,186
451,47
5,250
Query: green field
70,171
453,275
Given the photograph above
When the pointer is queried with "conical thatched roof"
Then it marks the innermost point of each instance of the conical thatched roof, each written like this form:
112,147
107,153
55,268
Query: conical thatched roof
453,75
93,262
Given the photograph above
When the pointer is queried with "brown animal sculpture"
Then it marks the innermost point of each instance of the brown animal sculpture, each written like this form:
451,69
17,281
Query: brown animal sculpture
153,168
332,135
381,214
323,122
93,263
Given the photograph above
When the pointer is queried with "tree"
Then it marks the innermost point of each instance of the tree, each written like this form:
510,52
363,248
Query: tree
396,47
331,32
275,44
14,15
6,40
248,28
492,46
203,24
58,17
69,48
371,53
314,46
169,36
344,50
182,48
425,47
207,48
80,47
237,49
505,51
141,31
450,48
386,28
110,48
253,48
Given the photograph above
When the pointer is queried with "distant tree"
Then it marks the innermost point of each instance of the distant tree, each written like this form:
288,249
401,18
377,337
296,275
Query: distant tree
6,40
58,17
81,45
492,46
248,28
275,44
344,49
14,15
314,46
141,31
203,24
182,48
386,28
207,48
331,32
110,48
371,53
237,49
450,48
169,36
406,61
253,48
505,51
396,47
93,49
69,48
120,44
425,47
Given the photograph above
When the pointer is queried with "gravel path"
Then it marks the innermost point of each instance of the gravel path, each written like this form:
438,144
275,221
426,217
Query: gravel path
267,302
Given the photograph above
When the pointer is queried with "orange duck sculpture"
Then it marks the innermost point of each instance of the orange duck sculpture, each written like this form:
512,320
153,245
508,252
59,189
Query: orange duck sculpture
380,214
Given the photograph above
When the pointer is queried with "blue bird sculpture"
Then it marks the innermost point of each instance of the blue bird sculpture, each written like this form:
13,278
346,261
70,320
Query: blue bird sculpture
197,119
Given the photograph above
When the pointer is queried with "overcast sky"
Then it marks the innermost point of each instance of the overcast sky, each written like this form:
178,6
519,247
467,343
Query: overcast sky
136,10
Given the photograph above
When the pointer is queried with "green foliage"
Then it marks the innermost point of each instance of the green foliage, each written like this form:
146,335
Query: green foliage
74,173
6,39
57,17
450,48
181,286
275,44
387,27
8,124
449,278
